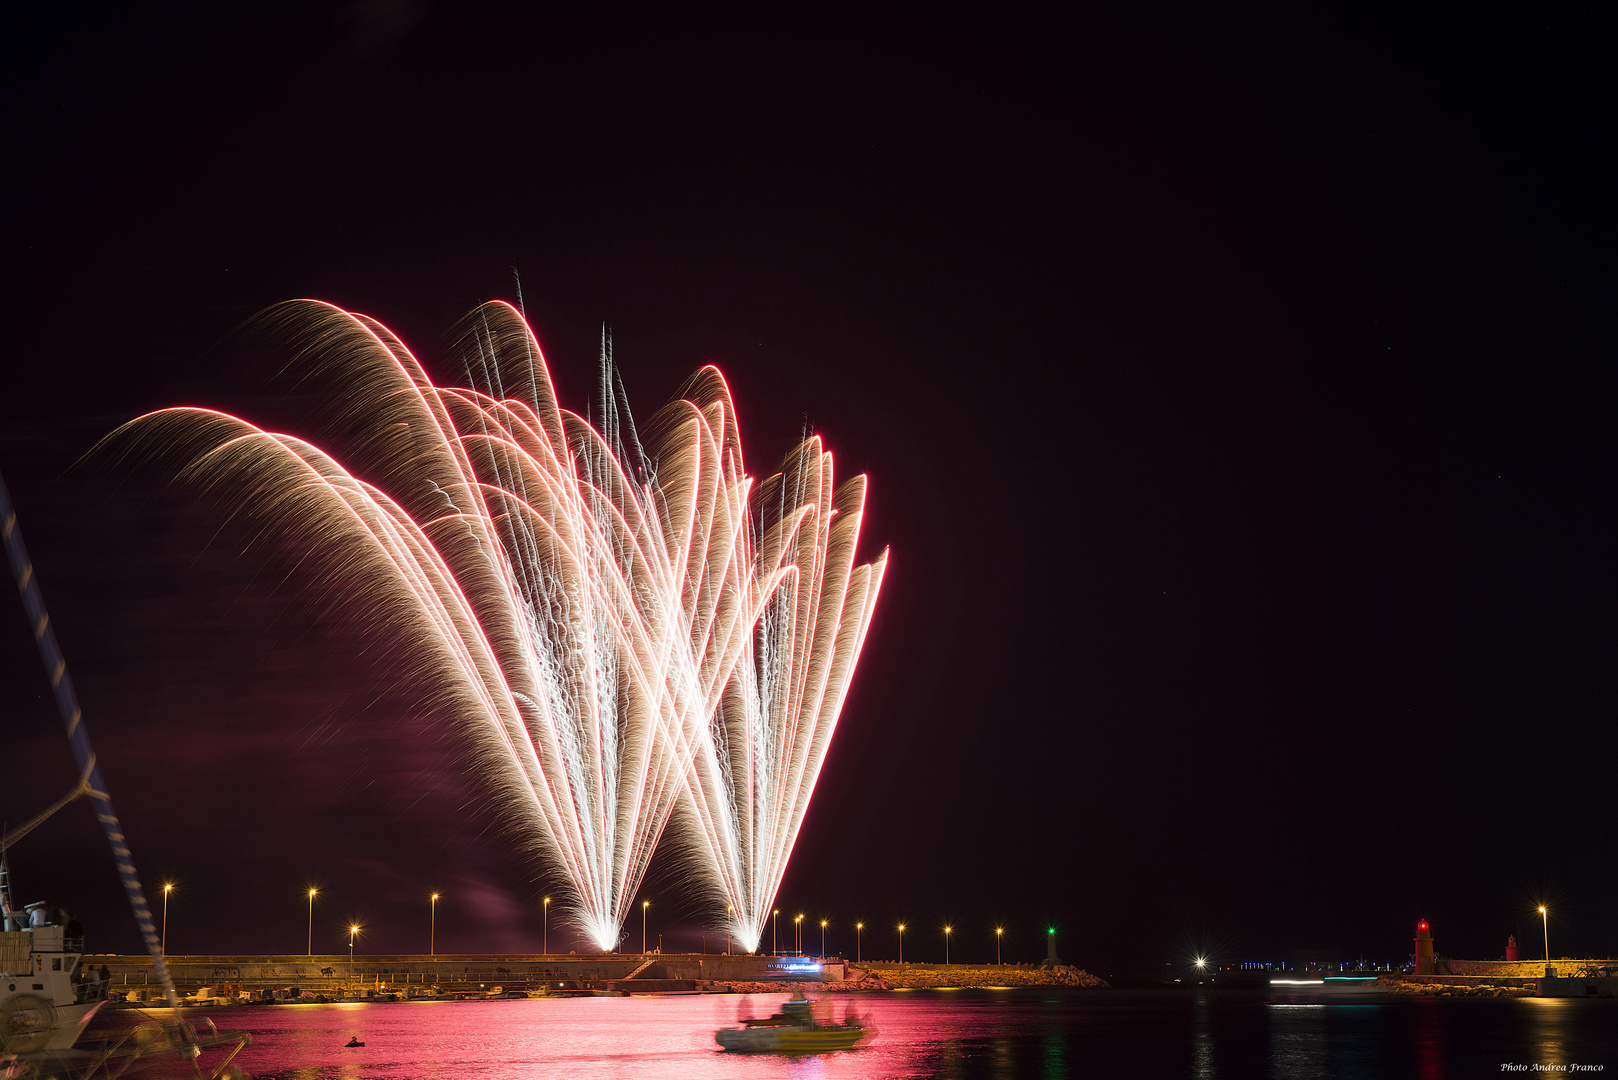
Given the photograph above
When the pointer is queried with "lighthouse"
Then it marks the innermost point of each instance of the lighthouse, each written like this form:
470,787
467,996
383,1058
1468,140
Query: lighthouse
1424,949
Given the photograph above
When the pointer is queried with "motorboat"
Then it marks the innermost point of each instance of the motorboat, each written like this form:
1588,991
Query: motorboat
794,1030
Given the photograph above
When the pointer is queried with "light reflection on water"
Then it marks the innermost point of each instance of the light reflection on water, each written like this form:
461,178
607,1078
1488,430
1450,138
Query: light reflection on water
1202,1065
1553,1030
1297,1041
920,1035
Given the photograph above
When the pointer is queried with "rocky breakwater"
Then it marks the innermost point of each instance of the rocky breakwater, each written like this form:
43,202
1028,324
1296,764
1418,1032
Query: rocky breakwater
856,981
966,976
1393,984
918,977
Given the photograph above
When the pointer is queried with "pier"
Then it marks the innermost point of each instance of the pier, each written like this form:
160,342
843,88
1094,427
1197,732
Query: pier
471,974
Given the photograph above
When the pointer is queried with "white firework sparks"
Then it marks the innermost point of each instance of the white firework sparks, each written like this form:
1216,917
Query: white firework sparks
638,636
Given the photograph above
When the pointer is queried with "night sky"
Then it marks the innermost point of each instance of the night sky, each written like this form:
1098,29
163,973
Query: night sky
1237,396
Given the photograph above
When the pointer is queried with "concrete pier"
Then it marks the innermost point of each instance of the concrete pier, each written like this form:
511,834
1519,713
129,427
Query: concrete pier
335,975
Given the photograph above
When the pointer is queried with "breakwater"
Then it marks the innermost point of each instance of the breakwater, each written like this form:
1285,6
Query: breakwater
965,976
885,976
473,974
468,974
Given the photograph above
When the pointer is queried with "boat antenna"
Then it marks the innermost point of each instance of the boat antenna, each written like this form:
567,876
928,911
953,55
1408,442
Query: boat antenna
67,702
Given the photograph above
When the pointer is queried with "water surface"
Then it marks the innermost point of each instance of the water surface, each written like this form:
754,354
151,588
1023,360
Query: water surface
996,1035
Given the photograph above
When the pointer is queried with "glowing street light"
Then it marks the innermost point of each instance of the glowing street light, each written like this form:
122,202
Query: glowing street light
432,928
545,939
947,931
1202,964
822,938
167,888
797,926
999,932
730,926
312,922
353,932
901,943
775,943
857,928
1545,924
644,904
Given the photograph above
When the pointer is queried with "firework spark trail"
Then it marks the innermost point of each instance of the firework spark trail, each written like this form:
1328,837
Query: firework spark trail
637,639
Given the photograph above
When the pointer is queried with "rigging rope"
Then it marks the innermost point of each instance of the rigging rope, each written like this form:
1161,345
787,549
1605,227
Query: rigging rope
67,702
81,788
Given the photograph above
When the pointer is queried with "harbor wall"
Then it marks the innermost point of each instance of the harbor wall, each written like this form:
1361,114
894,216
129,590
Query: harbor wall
1518,969
454,973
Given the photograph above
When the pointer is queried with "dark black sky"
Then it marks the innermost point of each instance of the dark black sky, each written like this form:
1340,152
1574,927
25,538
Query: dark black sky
1236,392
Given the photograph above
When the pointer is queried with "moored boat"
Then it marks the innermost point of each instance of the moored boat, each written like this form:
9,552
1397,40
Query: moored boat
47,992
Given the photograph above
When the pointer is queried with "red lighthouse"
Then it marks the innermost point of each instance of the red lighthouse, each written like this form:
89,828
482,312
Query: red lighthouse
1424,949
1511,947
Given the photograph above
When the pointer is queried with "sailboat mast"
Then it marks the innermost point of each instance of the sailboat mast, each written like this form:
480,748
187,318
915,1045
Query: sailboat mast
67,703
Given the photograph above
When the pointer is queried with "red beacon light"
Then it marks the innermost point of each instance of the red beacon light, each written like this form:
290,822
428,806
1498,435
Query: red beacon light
1422,925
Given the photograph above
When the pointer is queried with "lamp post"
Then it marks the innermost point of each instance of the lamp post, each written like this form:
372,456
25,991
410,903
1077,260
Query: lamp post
1545,924
353,932
775,940
644,904
797,927
822,939
432,928
312,922
167,888
999,932
947,930
858,958
901,943
730,926
545,939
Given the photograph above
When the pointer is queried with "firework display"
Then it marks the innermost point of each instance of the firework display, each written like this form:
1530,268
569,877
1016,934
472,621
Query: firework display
648,645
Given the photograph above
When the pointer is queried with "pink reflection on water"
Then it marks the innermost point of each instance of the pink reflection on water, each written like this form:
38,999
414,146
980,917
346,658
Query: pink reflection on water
669,1038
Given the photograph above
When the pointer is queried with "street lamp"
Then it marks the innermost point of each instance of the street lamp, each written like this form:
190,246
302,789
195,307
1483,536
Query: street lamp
858,954
312,922
797,926
901,943
644,904
999,932
775,940
432,928
167,888
822,939
730,926
353,932
947,930
1545,924
545,940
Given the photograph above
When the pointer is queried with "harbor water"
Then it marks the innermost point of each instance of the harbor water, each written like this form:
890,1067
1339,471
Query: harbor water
995,1035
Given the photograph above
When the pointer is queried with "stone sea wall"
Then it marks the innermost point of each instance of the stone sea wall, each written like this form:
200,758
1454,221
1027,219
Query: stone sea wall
923,977
1516,969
